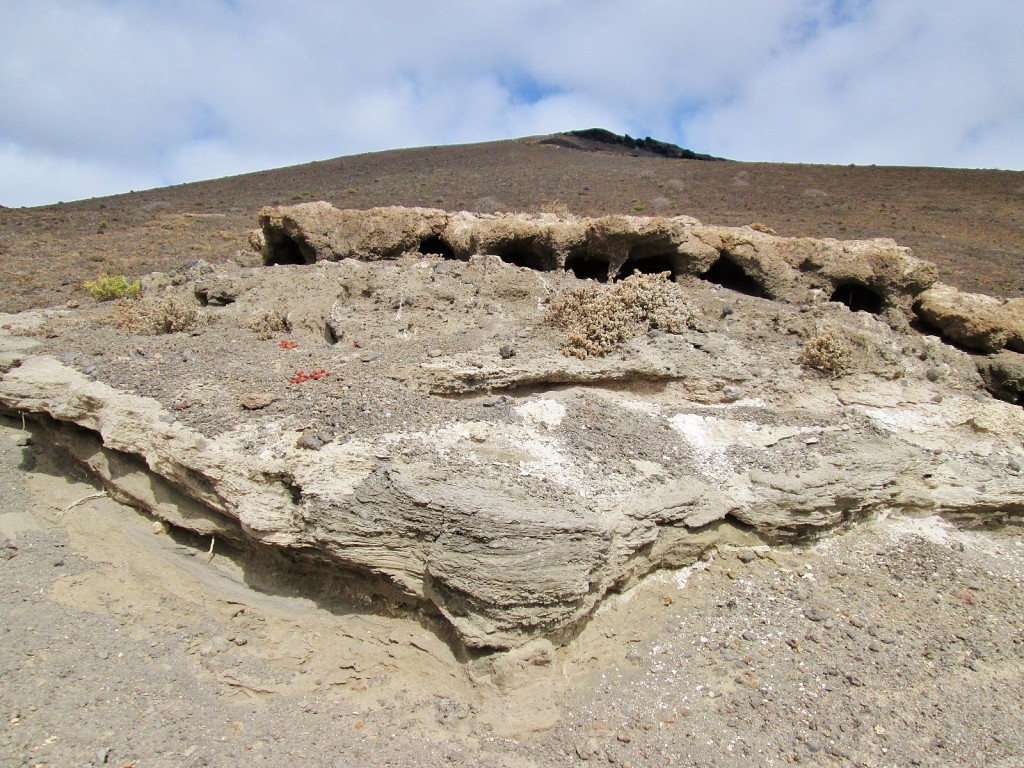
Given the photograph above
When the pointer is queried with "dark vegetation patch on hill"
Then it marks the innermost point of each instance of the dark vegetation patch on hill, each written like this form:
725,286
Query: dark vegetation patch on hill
601,139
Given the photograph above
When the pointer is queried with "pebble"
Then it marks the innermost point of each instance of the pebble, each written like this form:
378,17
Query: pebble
748,635
731,394
369,357
506,351
1015,465
747,555
214,646
310,441
588,749
816,614
434,353
251,401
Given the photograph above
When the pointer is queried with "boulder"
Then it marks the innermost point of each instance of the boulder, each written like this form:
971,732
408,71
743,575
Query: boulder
973,320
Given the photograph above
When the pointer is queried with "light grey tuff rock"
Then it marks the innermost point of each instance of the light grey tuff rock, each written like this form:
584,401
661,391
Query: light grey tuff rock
513,522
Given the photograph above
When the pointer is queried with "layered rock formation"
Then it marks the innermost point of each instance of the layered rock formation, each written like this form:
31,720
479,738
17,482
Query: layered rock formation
451,449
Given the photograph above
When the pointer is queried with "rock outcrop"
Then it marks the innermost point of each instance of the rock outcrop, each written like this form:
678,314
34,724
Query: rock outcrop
973,320
449,448
868,275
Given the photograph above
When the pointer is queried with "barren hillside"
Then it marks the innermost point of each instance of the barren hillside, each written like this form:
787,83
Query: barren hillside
970,223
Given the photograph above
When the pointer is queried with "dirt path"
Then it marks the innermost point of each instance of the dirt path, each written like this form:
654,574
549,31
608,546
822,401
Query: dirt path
899,643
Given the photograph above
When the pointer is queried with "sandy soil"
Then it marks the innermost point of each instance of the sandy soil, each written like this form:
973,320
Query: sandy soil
899,643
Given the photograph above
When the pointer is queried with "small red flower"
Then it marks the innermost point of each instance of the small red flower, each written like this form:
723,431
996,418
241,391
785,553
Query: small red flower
301,376
289,344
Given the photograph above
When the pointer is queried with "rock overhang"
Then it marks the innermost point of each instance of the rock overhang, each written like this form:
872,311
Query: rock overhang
878,273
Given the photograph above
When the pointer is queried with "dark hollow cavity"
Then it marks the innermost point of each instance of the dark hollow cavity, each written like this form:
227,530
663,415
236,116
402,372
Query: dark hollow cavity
650,265
858,297
526,254
285,250
728,274
436,246
588,268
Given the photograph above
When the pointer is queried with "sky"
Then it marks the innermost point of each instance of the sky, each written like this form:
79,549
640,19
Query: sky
105,96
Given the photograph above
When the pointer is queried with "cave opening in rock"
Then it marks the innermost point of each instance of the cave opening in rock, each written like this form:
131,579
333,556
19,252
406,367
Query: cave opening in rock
858,297
525,253
436,246
286,250
728,274
652,256
649,265
588,267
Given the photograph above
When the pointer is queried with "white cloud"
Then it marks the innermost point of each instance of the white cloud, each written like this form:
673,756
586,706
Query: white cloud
935,84
30,178
101,90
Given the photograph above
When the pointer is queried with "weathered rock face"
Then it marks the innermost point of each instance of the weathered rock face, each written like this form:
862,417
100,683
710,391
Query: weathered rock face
1003,373
973,320
869,275
449,447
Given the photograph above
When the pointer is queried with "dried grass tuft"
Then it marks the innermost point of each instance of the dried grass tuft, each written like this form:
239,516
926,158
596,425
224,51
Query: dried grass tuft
597,319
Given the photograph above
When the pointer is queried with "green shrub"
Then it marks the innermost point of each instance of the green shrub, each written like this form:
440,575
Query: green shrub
110,287
597,319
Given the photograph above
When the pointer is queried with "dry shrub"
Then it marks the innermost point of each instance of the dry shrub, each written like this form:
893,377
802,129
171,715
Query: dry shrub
152,317
597,318
267,323
556,207
828,352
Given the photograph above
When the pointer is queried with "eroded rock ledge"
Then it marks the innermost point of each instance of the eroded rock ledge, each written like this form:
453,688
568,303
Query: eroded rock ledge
456,452
867,274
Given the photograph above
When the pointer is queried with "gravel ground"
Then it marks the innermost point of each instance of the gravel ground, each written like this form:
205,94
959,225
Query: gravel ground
898,643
